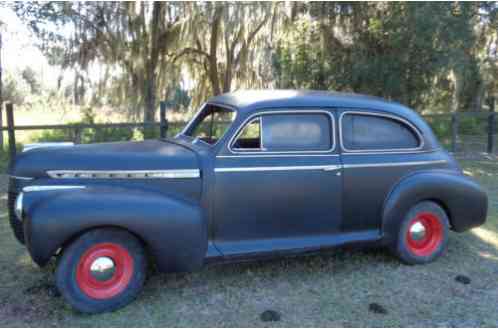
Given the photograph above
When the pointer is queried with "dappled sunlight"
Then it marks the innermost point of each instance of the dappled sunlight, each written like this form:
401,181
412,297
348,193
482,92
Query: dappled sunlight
487,255
486,235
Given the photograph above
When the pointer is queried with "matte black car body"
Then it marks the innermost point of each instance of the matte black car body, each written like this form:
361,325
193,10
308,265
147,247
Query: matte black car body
191,203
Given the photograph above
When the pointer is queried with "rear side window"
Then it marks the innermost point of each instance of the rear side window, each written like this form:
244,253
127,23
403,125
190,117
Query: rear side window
296,132
375,132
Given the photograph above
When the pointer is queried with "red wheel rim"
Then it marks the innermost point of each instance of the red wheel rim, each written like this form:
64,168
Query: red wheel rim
122,271
424,244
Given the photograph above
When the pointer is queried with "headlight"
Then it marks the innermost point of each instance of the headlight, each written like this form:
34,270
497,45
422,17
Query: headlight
18,207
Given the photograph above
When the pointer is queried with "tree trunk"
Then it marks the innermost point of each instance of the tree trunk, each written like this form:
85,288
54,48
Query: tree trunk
213,59
151,64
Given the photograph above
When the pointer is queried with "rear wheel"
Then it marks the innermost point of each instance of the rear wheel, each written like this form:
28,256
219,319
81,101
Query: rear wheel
102,270
423,235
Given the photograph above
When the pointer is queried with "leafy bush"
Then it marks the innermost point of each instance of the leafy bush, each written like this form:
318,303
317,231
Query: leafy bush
87,135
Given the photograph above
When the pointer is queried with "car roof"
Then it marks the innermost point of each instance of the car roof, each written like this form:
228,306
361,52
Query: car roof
248,100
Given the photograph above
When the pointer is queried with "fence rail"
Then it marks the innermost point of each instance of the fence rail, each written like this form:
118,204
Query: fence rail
459,132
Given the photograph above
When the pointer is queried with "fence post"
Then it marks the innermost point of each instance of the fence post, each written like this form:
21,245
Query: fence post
77,135
163,122
11,131
491,125
454,131
1,126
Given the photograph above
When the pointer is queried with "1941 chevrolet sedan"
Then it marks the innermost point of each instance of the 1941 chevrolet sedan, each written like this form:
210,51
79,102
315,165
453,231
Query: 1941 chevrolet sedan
254,174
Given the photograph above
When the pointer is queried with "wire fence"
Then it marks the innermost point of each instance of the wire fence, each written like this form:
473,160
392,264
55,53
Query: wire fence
466,132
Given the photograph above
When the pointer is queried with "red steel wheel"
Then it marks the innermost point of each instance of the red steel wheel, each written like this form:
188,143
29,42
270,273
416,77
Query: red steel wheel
424,234
104,270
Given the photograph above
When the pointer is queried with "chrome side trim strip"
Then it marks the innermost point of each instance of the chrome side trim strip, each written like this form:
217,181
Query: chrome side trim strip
33,146
329,167
21,178
125,174
392,152
274,155
278,168
382,115
393,164
38,188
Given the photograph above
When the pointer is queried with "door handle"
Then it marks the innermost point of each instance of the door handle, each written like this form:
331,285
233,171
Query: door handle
332,168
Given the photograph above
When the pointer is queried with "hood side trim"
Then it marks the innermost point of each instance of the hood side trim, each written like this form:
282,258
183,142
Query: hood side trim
124,174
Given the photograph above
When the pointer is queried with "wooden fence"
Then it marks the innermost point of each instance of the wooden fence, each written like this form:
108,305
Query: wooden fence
11,128
478,130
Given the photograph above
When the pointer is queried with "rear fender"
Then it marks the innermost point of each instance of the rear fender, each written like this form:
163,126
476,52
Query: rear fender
173,229
465,202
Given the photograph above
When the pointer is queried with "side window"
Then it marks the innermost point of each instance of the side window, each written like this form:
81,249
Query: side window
286,132
297,132
372,132
249,139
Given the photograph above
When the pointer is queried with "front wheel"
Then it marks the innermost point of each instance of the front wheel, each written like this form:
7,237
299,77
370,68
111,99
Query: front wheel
102,270
423,234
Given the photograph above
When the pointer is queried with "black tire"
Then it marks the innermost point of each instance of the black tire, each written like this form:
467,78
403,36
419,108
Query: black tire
15,224
71,268
432,244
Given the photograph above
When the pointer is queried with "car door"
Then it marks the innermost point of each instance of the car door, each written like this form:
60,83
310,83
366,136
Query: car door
378,150
278,183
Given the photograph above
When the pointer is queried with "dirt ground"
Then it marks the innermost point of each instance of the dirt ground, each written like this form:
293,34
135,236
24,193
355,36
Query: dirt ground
342,288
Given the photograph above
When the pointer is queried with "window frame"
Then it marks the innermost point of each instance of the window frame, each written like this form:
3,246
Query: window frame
407,123
196,116
263,150
239,133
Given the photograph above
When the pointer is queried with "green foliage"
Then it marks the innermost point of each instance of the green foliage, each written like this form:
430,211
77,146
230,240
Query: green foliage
30,76
87,135
402,51
14,90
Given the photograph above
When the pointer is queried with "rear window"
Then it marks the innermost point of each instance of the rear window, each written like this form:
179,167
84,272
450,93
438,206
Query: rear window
376,132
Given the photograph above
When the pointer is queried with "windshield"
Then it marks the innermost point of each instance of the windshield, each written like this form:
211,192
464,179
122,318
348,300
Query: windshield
210,124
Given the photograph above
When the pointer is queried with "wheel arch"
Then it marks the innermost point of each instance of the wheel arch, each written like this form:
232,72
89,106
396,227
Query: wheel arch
70,239
462,199
173,230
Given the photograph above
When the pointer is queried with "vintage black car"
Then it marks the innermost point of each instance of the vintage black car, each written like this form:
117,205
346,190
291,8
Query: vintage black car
254,174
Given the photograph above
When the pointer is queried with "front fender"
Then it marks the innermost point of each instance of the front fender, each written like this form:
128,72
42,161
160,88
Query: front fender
462,198
174,229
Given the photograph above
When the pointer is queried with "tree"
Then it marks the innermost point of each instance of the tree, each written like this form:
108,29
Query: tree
223,41
401,51
30,76
130,38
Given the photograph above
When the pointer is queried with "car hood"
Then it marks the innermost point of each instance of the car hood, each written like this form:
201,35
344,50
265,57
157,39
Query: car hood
125,156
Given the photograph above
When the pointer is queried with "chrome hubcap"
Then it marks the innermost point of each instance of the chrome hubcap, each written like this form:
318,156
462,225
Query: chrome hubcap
102,269
418,231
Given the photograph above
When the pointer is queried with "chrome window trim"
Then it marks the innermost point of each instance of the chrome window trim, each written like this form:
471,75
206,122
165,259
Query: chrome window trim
196,115
262,113
261,148
124,174
385,150
38,188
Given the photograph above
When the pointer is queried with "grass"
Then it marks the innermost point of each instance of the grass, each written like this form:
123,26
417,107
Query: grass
335,289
